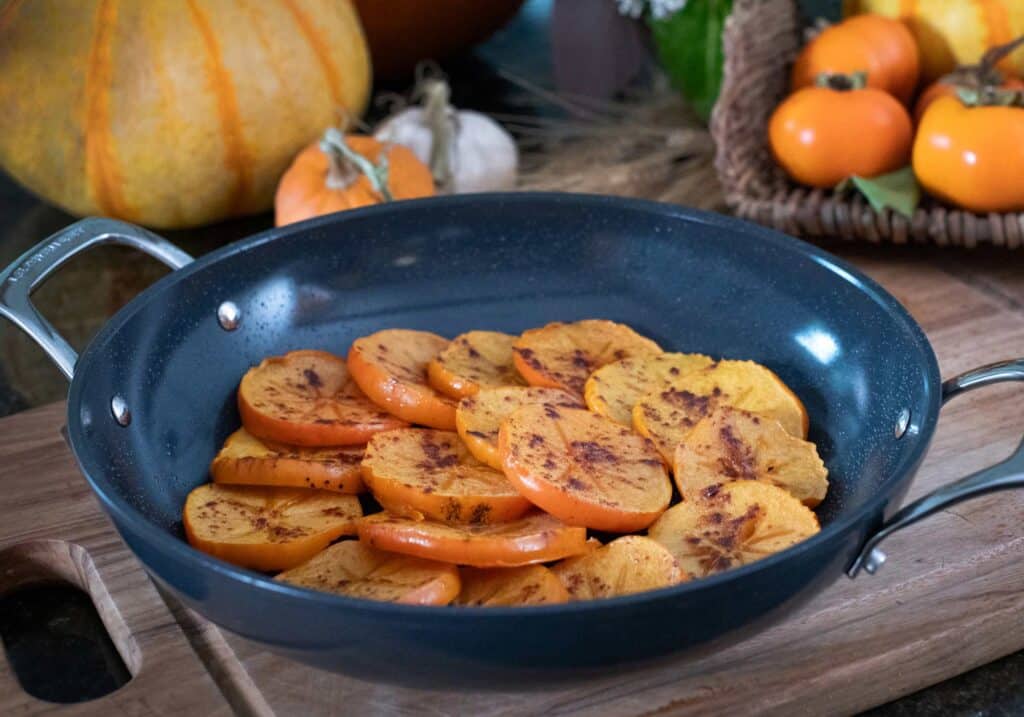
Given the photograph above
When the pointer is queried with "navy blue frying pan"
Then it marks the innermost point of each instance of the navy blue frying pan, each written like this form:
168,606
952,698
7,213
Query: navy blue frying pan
153,397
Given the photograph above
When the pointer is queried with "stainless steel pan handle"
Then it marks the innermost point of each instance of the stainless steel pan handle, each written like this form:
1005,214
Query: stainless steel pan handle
1008,474
31,269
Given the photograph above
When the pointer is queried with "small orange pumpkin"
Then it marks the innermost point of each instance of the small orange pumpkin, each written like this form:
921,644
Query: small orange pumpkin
344,172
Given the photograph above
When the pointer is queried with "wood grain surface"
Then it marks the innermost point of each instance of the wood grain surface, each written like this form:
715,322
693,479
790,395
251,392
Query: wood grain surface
950,598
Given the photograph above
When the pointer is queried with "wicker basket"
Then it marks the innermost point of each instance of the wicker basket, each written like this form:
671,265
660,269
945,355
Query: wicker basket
761,40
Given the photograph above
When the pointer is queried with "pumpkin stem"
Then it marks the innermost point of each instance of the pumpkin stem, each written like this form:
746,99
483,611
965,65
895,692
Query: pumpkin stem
440,118
842,82
346,165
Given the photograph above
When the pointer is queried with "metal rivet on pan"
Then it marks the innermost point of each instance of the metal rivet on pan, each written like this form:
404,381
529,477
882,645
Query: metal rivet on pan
119,407
874,560
902,422
229,315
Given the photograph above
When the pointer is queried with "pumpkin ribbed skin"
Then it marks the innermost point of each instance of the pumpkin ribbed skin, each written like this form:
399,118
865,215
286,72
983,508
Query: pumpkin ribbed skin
954,32
171,113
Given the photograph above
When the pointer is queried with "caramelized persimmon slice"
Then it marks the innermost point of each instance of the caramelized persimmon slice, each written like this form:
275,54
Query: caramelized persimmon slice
630,564
391,368
666,414
267,528
731,525
479,417
731,444
474,360
505,587
583,468
536,538
356,570
428,473
564,355
246,460
614,389
307,398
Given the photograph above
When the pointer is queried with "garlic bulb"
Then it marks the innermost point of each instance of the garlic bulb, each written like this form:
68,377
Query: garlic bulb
466,151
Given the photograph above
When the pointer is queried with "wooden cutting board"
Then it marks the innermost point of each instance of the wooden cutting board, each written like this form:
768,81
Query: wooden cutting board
951,596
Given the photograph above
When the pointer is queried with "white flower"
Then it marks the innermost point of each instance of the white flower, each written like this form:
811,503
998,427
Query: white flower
660,9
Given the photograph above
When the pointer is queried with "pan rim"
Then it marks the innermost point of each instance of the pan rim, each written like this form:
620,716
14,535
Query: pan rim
134,520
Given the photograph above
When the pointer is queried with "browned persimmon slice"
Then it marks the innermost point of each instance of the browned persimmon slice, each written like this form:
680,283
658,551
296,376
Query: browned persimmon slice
390,366
246,460
536,538
583,468
307,398
267,528
614,389
356,570
479,417
731,444
630,564
505,587
666,414
474,360
564,355
422,472
731,525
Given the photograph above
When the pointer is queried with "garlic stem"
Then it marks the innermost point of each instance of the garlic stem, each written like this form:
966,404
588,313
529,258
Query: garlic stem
438,113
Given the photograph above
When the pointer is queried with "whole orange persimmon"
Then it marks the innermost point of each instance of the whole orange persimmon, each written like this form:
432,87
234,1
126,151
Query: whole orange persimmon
839,128
882,47
973,155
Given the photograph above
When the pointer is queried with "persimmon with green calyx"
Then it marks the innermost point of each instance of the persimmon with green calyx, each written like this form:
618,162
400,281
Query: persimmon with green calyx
837,129
985,74
969,150
881,47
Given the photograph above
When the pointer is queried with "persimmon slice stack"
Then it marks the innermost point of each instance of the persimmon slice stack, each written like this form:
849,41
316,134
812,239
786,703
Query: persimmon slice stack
391,368
630,564
731,444
583,468
307,398
246,460
506,587
731,525
614,389
536,538
474,360
356,570
668,413
425,472
564,355
267,528
479,417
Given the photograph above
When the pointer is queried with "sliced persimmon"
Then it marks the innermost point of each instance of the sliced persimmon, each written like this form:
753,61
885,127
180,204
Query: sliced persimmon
474,360
630,564
356,570
267,528
731,525
479,417
614,389
564,355
246,460
583,468
390,367
429,473
506,587
731,444
536,538
666,414
307,398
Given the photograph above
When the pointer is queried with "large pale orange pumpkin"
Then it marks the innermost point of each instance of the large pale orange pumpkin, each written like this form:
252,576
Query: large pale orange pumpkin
171,113
954,32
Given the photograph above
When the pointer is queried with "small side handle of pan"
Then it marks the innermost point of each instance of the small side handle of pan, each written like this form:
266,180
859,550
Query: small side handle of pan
31,269
1008,474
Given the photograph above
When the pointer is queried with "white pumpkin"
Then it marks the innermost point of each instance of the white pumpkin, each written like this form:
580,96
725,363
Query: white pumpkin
466,151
